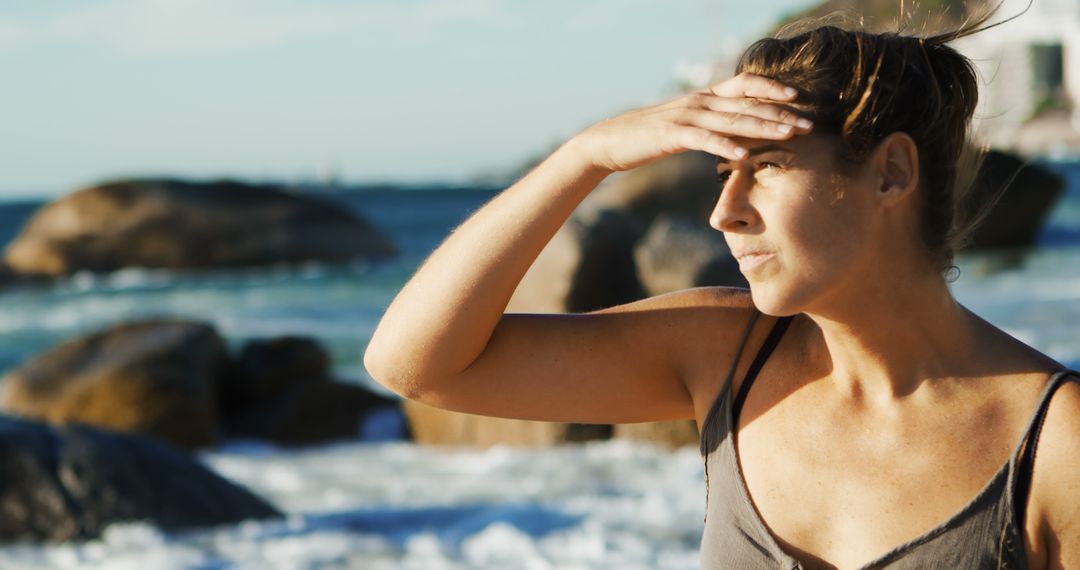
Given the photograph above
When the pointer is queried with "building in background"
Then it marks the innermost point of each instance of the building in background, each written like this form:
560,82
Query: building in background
1030,73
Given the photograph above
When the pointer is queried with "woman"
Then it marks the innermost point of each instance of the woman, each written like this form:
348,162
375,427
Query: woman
887,425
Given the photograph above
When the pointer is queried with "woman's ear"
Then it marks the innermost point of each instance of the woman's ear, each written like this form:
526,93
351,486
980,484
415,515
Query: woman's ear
897,163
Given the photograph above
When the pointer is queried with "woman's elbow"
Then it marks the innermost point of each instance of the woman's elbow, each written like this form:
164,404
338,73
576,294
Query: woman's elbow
379,364
395,371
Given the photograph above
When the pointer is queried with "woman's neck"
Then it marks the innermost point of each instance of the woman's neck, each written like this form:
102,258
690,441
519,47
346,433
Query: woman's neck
885,339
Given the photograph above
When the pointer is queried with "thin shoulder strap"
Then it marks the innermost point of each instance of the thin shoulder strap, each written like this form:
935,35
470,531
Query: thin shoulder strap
706,438
1026,462
754,314
755,367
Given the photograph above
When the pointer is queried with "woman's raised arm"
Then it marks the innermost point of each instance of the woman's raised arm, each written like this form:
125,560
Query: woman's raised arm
445,341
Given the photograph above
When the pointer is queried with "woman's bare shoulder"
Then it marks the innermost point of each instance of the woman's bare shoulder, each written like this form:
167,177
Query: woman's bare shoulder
998,348
1056,481
733,298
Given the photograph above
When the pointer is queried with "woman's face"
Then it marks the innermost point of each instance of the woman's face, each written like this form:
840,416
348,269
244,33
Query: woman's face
799,229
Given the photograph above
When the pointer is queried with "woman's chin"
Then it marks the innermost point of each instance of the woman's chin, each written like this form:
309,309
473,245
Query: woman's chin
772,302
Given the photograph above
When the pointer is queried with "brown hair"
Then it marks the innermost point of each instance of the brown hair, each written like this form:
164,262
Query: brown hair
861,86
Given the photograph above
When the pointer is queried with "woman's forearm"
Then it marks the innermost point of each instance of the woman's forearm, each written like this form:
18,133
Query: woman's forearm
442,319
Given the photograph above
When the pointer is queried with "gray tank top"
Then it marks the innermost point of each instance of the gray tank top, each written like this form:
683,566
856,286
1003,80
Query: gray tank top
986,533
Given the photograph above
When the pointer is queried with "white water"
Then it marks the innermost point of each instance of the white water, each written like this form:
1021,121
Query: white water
612,504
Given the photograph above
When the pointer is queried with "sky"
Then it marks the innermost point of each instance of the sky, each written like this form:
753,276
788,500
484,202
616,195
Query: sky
401,91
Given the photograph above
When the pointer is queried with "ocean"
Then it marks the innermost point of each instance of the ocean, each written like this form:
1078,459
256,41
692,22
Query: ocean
613,504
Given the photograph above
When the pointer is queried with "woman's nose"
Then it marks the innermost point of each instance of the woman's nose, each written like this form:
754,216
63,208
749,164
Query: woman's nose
733,211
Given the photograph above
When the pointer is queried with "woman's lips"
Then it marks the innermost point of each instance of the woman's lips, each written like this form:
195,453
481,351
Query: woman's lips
752,261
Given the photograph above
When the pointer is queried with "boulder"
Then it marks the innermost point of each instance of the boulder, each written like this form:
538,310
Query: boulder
1026,194
174,380
434,426
280,390
588,265
59,484
672,434
155,377
318,411
593,261
679,252
182,225
682,184
266,369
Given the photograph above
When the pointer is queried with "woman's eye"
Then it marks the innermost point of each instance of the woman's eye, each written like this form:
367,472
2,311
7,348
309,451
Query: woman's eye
768,165
722,177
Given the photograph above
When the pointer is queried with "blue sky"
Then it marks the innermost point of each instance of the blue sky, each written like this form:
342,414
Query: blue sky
403,90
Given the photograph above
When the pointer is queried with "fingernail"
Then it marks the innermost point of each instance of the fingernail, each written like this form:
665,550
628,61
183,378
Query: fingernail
804,123
790,91
785,129
740,152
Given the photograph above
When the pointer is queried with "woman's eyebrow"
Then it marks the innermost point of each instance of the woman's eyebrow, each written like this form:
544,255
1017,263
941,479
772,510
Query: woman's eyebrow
760,150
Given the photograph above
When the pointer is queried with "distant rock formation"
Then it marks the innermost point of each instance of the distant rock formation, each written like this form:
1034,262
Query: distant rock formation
174,380
71,483
186,225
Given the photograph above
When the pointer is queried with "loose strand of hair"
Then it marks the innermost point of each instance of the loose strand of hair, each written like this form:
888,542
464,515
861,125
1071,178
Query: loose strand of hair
976,26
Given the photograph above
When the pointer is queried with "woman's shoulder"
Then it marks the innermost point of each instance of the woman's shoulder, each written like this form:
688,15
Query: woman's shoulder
722,332
709,317
736,299
1000,350
1056,480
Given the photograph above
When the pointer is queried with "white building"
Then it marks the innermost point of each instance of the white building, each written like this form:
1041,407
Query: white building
1030,73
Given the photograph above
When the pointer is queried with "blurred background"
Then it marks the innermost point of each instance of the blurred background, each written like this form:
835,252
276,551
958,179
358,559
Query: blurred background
206,206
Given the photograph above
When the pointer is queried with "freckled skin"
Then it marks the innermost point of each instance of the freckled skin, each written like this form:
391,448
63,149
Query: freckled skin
796,205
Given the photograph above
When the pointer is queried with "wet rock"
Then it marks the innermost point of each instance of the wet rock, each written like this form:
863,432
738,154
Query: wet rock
266,369
59,484
175,224
174,380
318,411
280,390
154,377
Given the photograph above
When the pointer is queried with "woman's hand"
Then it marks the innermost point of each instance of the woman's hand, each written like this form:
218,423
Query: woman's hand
745,106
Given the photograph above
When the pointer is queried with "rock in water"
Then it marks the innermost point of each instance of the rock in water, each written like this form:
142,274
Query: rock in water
1027,192
680,252
153,377
266,369
174,224
70,483
433,426
280,389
